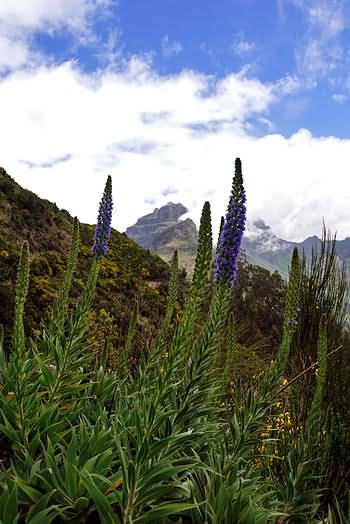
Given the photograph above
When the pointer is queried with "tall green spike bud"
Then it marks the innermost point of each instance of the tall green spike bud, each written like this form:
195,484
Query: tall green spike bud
58,312
313,422
201,271
293,292
85,301
222,222
173,278
291,314
122,369
21,295
204,249
172,295
184,335
72,262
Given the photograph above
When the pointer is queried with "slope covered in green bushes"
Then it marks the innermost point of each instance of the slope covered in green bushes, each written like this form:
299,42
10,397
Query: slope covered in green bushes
129,274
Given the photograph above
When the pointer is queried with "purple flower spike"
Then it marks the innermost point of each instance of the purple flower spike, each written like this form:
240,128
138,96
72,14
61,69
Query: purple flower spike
103,226
232,230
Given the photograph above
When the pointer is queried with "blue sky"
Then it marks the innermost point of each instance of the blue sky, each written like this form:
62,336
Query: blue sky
164,93
272,40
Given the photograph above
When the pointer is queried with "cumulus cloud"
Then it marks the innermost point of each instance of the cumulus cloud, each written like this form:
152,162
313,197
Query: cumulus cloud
20,21
63,131
38,14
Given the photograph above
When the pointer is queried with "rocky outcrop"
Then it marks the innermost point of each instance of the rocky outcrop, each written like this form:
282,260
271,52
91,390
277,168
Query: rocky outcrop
162,232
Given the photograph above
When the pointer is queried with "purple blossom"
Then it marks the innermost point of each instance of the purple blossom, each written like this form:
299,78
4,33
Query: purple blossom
103,226
232,230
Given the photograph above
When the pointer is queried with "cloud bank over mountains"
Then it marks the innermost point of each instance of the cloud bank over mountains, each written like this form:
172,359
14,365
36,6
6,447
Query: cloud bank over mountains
64,129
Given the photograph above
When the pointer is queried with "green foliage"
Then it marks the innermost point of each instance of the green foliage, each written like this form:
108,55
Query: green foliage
154,439
290,316
172,294
200,281
258,301
59,309
21,295
126,272
323,299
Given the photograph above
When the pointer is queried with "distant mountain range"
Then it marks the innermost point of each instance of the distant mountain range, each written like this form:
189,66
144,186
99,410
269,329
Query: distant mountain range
162,231
264,248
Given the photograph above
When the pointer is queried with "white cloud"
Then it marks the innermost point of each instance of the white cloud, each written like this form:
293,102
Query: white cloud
327,16
241,46
321,51
20,20
318,58
39,14
170,47
63,131
13,53
291,84
339,98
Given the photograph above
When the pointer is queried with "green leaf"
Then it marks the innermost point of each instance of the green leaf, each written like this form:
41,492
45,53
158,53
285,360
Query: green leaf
164,510
100,500
46,515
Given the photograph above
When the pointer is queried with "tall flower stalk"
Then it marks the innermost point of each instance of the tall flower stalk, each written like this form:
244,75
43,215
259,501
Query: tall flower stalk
99,248
59,309
104,220
19,346
21,295
232,230
199,286
67,354
201,373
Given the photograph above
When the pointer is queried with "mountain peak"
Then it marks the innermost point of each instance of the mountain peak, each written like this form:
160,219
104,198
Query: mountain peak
162,232
170,212
260,224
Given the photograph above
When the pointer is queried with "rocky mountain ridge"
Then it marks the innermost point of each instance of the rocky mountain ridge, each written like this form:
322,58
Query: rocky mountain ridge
162,232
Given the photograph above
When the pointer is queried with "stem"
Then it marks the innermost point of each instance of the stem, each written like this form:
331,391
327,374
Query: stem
310,368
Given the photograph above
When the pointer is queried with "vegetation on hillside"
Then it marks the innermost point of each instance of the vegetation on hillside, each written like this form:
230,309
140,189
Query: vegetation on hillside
172,438
129,277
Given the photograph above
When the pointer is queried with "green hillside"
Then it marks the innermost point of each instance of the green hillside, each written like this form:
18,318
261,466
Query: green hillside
129,274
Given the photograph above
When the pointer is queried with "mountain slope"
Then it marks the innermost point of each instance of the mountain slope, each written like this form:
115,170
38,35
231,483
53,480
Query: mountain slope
162,232
128,272
264,248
